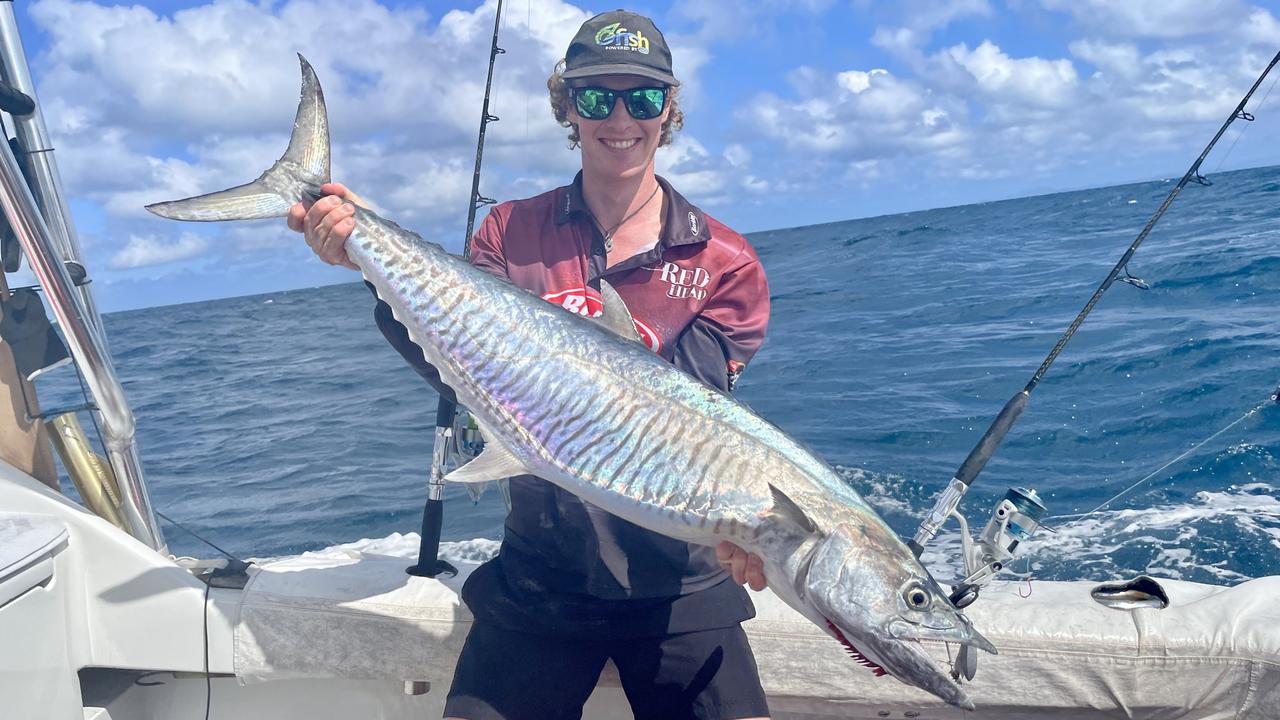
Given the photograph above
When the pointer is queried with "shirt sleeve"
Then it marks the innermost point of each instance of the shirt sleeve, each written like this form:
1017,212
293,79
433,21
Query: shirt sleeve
486,245
723,338
486,254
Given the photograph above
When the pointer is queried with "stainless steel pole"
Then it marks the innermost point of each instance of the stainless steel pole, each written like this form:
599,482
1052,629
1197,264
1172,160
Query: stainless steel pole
89,352
46,183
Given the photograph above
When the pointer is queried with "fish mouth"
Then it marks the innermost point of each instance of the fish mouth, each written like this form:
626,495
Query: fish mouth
905,659
963,635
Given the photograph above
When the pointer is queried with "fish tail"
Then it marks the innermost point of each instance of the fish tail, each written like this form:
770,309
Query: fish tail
296,176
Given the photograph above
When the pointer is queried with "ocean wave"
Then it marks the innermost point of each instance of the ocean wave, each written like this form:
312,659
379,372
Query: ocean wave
1215,536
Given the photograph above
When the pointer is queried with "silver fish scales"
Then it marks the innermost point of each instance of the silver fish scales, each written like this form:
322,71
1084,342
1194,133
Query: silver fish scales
584,405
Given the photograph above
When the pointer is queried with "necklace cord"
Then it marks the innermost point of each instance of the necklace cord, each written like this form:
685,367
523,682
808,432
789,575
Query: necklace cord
608,234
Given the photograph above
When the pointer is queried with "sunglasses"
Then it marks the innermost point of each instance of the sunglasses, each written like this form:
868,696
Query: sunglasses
596,103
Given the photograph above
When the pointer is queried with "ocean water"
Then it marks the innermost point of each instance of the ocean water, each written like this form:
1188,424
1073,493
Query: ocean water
278,423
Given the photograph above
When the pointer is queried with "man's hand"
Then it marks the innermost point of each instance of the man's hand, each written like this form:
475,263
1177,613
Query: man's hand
747,568
328,222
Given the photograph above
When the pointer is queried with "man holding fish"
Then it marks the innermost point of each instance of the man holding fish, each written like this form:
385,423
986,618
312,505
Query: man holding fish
597,409
574,586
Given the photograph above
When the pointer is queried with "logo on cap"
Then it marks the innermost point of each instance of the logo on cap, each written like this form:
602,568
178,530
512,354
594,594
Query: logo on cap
616,36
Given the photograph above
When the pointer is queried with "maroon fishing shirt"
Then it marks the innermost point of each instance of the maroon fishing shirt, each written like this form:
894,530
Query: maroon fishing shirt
700,300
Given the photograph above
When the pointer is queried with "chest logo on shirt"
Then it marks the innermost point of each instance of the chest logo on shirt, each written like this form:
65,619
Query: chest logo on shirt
577,300
587,303
685,283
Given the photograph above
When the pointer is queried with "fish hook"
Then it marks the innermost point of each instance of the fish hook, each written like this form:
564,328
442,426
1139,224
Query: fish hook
1024,597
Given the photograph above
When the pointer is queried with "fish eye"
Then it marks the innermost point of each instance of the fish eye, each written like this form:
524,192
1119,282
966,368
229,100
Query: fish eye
917,597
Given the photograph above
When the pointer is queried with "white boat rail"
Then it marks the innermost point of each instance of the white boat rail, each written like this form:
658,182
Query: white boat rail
49,242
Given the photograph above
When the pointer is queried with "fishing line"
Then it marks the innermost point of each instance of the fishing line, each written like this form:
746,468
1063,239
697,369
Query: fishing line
1247,116
93,418
194,534
949,499
1250,413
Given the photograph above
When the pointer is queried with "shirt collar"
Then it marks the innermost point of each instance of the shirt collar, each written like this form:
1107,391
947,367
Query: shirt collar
684,223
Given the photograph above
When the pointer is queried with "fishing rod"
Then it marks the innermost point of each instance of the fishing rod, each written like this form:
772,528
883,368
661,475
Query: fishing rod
1019,513
454,438
477,200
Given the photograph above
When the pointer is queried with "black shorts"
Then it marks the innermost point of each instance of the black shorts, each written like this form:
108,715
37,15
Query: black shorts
508,675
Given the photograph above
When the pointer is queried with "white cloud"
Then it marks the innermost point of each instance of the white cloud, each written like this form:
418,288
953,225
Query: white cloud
869,115
737,155
856,81
694,170
1035,81
898,41
144,251
147,107
982,113
935,14
917,20
1154,18
746,19
756,185
1261,27
1120,60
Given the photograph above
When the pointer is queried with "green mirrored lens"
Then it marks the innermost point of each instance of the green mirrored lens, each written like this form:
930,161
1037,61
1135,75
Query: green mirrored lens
594,103
646,103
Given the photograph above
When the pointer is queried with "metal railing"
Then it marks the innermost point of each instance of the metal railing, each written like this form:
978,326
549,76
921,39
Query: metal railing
48,240
32,134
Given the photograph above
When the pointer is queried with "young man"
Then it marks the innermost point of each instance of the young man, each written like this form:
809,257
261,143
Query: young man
573,586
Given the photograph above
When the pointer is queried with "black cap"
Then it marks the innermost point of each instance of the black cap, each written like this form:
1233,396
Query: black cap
619,43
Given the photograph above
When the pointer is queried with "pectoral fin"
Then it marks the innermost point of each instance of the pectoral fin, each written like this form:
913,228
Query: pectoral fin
494,463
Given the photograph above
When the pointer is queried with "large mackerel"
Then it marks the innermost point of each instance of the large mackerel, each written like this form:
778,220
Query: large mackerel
585,407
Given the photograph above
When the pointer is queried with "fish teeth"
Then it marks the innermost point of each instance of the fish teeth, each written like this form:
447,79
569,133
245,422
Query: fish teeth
854,653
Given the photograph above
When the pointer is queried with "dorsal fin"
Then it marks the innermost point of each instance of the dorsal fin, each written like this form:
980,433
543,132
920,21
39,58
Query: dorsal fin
616,316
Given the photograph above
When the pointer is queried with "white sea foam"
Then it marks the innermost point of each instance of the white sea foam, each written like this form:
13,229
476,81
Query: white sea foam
1193,540
882,492
405,546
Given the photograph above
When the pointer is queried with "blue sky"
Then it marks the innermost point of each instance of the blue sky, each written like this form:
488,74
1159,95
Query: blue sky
797,111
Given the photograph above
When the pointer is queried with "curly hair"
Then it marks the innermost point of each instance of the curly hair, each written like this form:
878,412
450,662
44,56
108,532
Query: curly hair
562,107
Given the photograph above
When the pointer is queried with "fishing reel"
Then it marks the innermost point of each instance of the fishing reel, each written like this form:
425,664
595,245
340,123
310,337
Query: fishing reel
457,442
1015,518
464,444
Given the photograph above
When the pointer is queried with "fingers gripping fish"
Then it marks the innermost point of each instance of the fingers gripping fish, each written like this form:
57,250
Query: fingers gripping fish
584,406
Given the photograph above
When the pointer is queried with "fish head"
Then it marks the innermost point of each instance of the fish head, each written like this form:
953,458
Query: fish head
880,602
